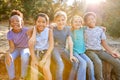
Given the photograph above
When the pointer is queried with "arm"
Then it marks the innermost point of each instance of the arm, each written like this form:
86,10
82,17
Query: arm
108,49
32,39
70,44
11,49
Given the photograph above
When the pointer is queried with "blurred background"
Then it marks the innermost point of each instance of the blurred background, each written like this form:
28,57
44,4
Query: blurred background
108,11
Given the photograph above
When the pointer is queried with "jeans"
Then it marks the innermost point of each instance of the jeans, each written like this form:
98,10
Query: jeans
84,64
98,55
57,55
24,53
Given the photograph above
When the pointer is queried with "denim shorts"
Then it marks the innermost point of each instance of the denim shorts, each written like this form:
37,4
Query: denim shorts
40,54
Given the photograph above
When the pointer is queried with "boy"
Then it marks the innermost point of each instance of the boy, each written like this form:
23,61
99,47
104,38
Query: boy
95,40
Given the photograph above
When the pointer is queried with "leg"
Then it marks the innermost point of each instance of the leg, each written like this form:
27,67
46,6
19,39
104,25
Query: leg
34,71
59,64
97,64
113,61
24,61
46,70
10,68
79,68
90,66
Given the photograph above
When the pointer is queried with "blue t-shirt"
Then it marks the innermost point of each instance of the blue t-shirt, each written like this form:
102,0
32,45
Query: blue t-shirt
78,40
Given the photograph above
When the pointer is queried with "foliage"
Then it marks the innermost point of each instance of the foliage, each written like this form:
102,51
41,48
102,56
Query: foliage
109,12
111,17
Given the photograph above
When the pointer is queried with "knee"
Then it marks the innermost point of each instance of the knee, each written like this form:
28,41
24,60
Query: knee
60,66
98,62
46,68
90,63
25,58
83,64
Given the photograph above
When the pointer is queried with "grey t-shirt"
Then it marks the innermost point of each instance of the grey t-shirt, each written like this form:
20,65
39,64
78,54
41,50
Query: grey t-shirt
60,36
93,37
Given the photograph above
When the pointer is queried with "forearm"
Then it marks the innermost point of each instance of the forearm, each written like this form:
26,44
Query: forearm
106,47
70,43
48,53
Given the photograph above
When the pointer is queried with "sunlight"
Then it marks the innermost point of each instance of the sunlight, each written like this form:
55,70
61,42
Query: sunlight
70,2
94,1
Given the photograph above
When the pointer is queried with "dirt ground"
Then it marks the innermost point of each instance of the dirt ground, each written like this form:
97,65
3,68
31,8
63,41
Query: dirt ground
115,43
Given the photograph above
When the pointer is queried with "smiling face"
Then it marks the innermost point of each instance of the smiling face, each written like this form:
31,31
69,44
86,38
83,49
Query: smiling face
61,21
77,22
90,21
41,23
15,22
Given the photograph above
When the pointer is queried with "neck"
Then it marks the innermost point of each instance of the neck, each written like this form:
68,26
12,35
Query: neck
60,28
17,31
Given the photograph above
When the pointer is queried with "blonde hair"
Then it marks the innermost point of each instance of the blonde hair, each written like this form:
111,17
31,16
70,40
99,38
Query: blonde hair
60,13
76,16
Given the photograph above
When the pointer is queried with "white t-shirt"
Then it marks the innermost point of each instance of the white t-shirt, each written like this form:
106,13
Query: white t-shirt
93,37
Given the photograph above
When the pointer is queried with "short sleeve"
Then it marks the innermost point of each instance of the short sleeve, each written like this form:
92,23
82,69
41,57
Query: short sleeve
69,31
103,36
9,35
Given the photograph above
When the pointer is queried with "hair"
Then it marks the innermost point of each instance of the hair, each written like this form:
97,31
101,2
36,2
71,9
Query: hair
42,15
76,16
60,13
88,14
16,12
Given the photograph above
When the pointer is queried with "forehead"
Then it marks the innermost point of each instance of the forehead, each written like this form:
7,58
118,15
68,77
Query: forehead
15,17
60,17
41,18
77,18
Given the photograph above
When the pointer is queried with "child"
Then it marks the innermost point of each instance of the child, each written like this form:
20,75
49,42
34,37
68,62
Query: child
18,45
95,40
42,47
61,33
79,50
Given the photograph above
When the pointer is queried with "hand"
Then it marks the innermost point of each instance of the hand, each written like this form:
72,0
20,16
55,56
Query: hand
52,25
116,55
34,61
42,62
8,59
72,58
104,28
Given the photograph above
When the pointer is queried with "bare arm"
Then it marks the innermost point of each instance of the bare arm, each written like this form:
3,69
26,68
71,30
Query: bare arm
11,49
70,44
32,39
108,49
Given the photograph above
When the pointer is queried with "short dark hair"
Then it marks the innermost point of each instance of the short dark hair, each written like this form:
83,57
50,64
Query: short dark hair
16,12
42,15
88,14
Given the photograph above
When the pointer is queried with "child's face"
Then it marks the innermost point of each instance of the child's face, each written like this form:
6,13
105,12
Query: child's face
41,23
61,21
91,21
15,22
76,23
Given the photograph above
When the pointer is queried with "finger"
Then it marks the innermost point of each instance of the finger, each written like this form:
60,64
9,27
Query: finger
71,60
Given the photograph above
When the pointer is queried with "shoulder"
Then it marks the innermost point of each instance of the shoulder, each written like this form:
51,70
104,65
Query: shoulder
99,28
30,31
67,27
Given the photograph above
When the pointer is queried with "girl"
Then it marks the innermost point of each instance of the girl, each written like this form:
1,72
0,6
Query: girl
62,33
41,45
18,45
79,49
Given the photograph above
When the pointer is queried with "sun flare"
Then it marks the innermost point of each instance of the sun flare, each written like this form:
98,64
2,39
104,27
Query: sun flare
94,1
